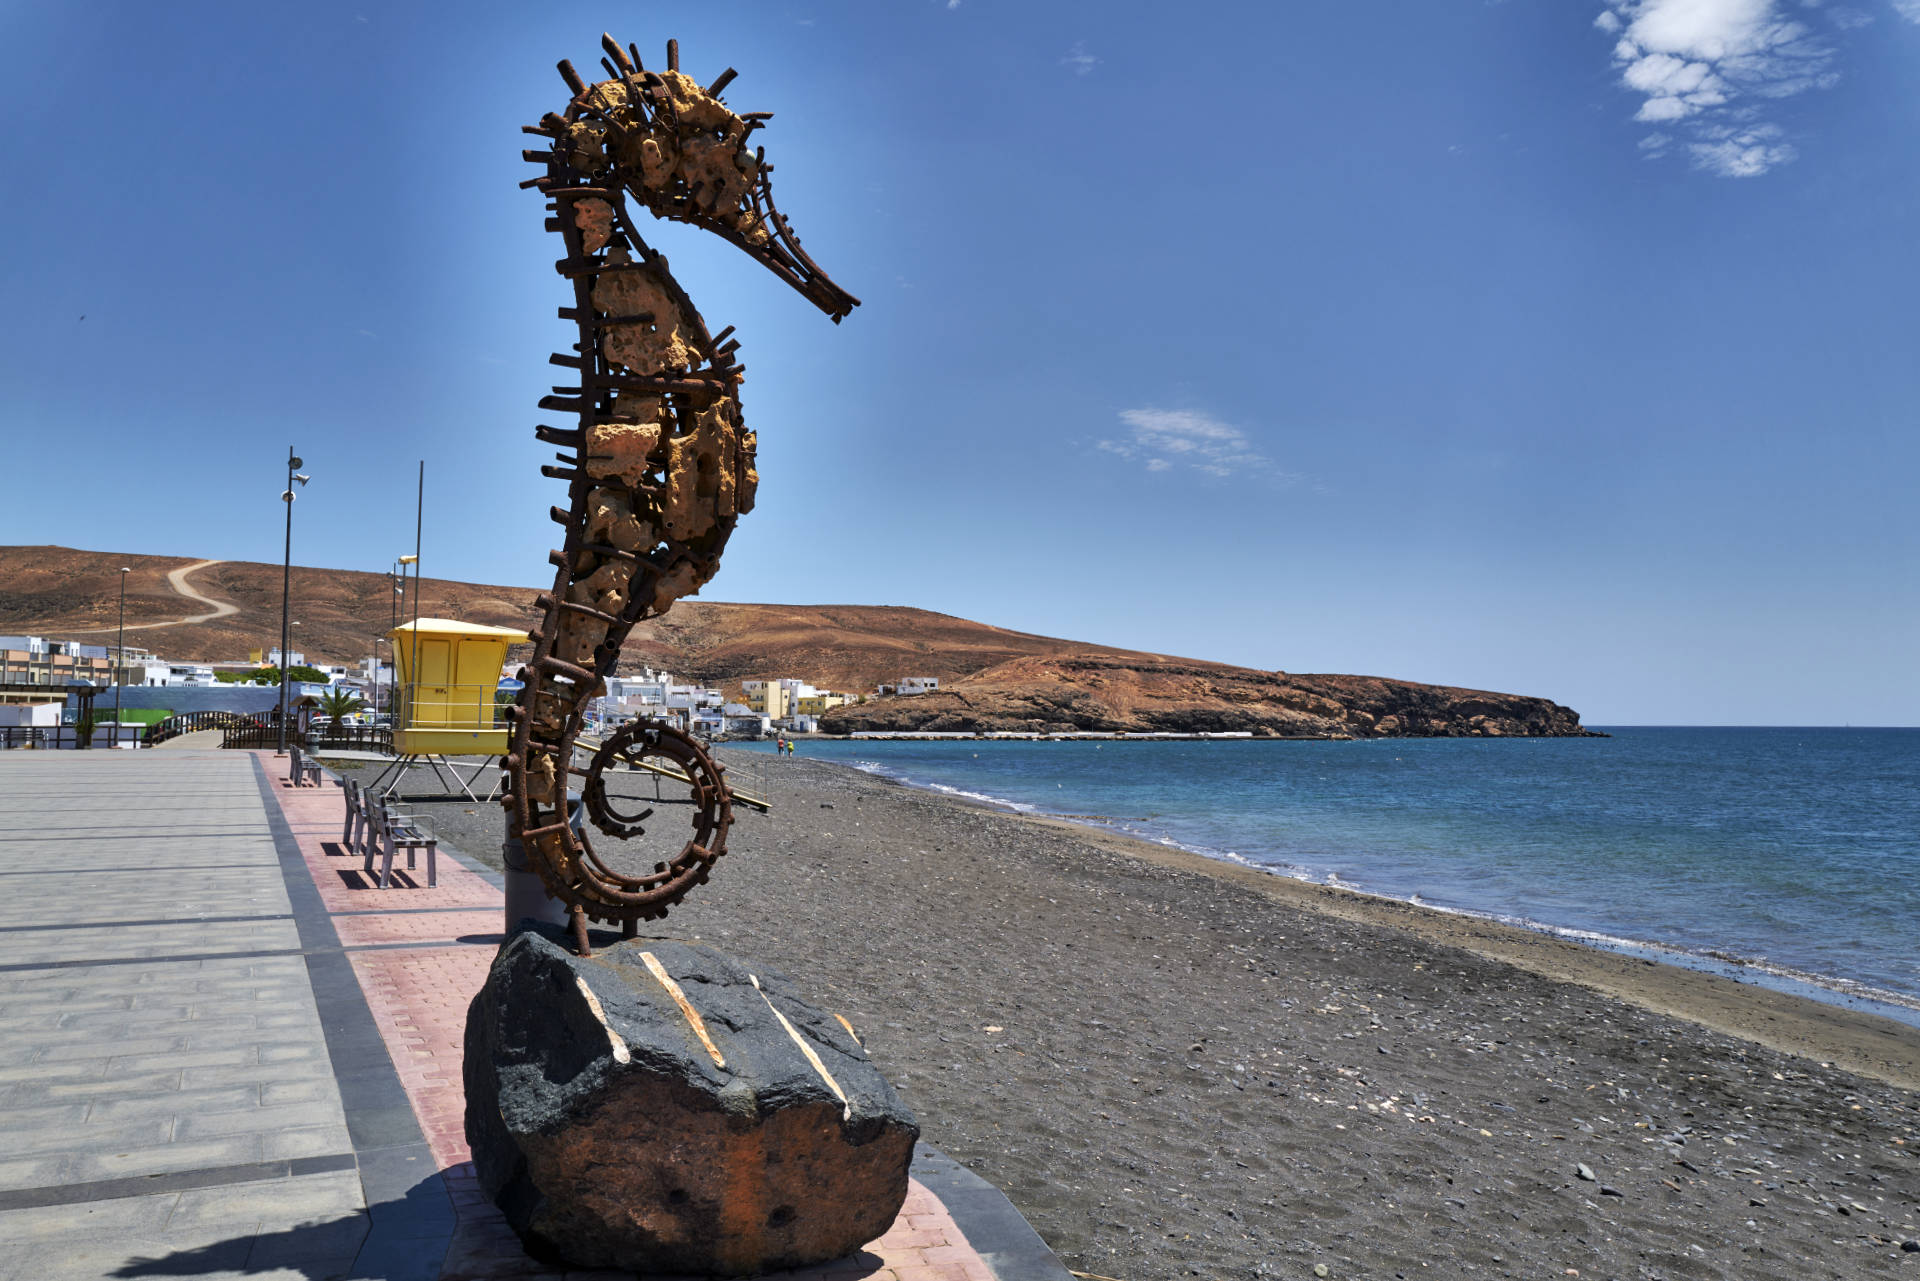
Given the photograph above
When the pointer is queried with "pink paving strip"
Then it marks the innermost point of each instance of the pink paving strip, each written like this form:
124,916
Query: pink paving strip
482,926
419,998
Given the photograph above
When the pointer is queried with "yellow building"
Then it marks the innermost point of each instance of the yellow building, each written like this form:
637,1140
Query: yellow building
817,704
449,675
768,698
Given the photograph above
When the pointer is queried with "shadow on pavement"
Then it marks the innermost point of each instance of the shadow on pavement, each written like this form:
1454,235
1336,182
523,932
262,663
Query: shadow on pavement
402,1240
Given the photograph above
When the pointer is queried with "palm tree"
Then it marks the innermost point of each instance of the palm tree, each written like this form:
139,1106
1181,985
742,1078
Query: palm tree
339,704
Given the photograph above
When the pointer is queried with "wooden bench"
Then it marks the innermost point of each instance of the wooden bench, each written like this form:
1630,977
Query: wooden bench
391,831
354,832
302,771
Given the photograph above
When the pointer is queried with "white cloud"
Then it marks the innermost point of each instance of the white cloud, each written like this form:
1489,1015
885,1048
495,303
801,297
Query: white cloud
1908,9
1695,61
1741,153
1160,439
1079,59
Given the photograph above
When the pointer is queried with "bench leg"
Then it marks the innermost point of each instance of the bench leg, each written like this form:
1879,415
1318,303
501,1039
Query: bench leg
433,876
373,847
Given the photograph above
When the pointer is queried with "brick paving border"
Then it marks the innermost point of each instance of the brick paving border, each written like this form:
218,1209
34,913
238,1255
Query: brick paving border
419,969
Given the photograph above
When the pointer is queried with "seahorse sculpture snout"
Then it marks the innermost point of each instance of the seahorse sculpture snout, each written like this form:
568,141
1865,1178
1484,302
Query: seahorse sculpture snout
661,463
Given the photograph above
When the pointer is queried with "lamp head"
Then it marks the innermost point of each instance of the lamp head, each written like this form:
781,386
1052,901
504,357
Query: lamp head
294,464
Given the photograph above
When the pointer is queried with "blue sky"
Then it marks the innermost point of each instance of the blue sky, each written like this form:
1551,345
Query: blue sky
1559,348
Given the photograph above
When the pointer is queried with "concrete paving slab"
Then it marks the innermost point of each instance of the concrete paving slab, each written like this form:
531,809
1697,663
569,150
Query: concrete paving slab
174,1111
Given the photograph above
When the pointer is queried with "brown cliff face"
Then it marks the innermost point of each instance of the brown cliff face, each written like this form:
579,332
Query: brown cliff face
1142,693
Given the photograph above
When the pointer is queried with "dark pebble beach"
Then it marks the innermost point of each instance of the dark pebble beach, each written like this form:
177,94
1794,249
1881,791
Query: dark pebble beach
1181,1068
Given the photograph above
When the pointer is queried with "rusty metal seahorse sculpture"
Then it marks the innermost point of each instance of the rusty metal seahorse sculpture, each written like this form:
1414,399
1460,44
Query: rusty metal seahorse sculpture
661,464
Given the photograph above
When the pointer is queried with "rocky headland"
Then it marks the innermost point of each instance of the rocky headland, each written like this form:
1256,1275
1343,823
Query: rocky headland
1142,693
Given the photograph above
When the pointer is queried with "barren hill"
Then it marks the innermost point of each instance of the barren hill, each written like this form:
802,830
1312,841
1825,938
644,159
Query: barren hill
992,678
66,594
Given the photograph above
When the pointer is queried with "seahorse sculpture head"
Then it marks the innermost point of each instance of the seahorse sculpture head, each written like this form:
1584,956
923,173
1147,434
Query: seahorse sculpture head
663,465
681,151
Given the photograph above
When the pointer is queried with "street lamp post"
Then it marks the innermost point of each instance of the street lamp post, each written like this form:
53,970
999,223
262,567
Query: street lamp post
413,662
286,584
120,655
396,579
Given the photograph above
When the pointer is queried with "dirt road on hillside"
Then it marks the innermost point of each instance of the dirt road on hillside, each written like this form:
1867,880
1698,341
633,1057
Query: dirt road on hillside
177,579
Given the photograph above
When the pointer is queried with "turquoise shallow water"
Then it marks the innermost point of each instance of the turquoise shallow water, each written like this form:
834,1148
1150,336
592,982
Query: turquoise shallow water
1794,851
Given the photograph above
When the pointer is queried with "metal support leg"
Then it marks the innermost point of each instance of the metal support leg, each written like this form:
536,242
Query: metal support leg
399,771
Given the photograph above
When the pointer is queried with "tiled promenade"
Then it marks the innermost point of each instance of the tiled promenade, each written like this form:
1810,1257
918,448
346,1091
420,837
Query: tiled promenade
224,1054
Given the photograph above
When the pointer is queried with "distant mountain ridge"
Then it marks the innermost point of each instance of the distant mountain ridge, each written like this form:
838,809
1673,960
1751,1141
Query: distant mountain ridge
991,678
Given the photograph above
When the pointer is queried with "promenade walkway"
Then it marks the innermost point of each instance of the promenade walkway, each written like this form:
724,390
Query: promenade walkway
224,1054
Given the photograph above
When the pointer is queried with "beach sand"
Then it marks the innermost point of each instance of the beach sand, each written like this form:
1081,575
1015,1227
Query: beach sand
1179,1067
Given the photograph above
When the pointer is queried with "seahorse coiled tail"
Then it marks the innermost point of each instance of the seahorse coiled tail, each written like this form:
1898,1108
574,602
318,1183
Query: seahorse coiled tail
659,465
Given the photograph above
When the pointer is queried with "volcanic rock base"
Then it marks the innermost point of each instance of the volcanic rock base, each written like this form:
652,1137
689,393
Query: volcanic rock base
663,1107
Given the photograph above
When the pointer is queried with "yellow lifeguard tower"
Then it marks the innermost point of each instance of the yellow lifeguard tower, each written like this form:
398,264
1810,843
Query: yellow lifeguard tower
448,677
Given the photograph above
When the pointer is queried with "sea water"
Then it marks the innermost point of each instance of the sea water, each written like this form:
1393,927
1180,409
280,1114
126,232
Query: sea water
1791,856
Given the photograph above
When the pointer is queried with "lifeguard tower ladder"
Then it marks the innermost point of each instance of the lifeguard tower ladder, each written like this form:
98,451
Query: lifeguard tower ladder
449,703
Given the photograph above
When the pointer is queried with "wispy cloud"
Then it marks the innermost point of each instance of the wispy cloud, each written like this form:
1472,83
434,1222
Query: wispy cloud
1705,70
1163,439
1082,63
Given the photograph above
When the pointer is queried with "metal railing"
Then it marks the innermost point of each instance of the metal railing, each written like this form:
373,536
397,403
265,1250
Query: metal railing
259,734
425,705
187,722
68,737
355,738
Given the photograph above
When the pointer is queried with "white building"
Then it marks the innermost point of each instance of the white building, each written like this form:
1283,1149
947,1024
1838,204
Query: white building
741,719
918,684
654,694
190,674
